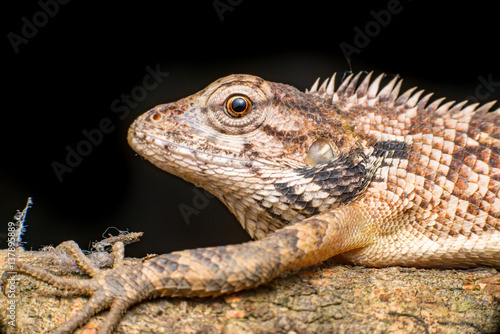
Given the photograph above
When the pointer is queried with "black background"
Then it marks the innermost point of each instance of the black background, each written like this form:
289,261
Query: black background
64,79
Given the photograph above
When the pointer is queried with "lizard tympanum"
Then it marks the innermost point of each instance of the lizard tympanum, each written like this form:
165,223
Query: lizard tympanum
367,174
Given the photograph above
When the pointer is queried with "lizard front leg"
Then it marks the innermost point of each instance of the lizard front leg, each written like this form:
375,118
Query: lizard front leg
207,271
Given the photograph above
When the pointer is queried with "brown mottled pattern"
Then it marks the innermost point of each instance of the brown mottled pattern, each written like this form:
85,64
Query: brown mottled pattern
371,175
450,179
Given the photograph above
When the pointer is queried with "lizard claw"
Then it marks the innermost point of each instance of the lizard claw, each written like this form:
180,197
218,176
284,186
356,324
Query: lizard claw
106,288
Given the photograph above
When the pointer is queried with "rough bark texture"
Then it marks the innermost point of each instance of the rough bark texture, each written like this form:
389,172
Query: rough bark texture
326,298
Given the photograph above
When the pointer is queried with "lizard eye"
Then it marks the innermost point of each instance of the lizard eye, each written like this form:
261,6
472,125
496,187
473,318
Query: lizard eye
232,110
238,105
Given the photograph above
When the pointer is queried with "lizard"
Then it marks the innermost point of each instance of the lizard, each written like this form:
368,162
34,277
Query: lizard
363,173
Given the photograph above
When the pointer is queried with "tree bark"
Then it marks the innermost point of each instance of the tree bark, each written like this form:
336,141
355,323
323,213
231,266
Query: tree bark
326,298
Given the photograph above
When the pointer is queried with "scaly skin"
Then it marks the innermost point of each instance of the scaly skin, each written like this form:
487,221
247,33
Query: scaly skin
371,176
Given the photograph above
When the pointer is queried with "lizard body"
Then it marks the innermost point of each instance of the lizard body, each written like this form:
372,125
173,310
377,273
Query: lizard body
370,175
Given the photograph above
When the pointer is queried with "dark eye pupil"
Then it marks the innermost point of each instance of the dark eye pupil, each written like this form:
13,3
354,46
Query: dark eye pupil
239,104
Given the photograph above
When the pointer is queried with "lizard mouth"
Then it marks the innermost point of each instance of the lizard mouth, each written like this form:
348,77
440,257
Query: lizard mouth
163,151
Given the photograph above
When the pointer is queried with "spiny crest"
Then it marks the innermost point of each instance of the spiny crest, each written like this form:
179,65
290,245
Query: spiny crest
368,93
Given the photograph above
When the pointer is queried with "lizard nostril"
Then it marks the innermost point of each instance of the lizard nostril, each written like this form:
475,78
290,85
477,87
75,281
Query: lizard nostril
156,117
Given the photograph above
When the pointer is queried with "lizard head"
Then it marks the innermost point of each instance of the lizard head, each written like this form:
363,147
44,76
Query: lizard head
272,154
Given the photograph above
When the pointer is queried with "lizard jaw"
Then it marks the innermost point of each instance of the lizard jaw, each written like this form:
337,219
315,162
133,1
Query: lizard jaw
155,148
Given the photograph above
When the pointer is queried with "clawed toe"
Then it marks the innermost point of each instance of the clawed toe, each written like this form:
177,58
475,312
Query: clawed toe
105,288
